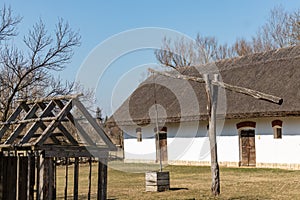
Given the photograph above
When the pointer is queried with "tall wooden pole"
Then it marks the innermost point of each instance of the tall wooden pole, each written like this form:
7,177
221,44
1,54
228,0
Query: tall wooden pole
212,98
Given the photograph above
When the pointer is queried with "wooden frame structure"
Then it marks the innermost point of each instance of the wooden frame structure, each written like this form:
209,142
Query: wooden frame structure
38,133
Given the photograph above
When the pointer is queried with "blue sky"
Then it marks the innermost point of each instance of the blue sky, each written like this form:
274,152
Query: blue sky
99,20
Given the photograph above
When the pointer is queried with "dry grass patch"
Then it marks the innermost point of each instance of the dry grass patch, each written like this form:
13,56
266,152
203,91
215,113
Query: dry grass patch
191,182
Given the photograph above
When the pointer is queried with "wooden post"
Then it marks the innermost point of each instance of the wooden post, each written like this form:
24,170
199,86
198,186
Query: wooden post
46,178
1,175
22,173
66,178
102,179
212,97
31,176
38,173
90,178
76,173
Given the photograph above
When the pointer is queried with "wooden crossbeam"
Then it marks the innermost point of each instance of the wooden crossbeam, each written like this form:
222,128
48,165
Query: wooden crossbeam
54,124
94,124
83,135
242,90
61,105
47,99
26,121
12,117
21,126
36,125
59,126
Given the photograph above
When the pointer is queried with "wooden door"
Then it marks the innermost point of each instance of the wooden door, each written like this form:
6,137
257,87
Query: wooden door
161,147
247,148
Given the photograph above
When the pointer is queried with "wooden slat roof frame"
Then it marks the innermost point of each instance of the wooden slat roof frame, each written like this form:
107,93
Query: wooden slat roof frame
19,138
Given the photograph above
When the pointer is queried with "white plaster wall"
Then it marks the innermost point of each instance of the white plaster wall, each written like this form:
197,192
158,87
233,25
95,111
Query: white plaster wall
189,142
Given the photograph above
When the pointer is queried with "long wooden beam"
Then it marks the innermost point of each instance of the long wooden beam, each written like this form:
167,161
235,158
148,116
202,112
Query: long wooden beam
21,126
237,89
95,125
11,118
83,135
39,100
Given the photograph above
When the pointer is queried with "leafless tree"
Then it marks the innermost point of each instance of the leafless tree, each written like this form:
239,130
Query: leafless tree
294,27
27,73
241,47
176,54
184,53
282,29
8,24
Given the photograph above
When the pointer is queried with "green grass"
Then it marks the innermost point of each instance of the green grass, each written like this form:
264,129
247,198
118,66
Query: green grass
191,182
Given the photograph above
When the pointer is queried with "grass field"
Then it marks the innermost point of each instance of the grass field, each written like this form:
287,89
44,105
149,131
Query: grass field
190,182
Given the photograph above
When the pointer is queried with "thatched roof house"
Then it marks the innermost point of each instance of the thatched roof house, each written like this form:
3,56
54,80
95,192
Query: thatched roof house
274,72
251,132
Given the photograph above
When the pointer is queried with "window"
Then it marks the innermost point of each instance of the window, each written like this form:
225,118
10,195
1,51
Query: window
277,129
139,134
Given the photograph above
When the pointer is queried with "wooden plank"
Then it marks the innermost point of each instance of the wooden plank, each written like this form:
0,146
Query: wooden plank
1,175
154,176
83,135
61,105
23,178
31,176
66,178
55,177
53,124
158,182
26,121
64,97
90,179
60,126
37,124
21,126
76,175
67,134
48,178
10,178
102,179
61,154
12,117
38,174
242,90
156,188
95,125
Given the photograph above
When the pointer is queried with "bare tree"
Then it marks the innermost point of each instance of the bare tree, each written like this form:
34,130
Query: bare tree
294,27
282,29
184,53
176,54
241,47
8,24
27,74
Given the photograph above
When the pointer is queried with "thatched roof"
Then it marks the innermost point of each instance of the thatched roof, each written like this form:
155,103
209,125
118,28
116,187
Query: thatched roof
274,72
